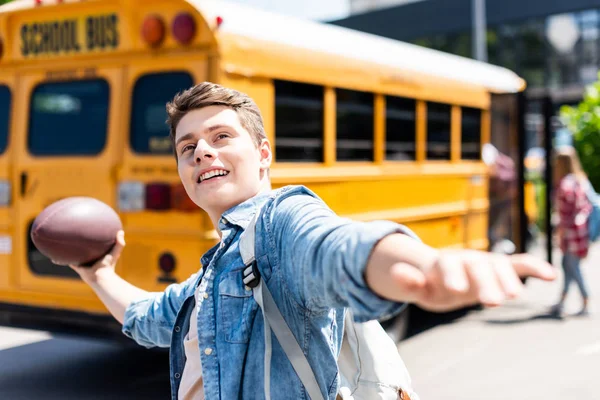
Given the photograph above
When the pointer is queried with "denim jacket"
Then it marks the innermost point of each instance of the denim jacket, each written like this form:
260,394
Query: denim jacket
313,263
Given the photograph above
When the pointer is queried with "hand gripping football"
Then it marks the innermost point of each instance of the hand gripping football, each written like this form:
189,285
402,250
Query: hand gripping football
76,230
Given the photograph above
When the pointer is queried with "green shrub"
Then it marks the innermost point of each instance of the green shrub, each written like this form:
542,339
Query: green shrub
583,121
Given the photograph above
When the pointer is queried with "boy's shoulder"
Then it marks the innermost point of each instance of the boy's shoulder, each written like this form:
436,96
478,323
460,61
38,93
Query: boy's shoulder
290,202
299,193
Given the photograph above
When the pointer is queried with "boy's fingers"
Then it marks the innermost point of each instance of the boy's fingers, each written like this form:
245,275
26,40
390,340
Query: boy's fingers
507,276
453,273
409,282
484,282
119,245
528,265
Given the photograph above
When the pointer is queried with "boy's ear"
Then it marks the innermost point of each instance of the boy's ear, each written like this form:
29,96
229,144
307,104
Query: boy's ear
266,155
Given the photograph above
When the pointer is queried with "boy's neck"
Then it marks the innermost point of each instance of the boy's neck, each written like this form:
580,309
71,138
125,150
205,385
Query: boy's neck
215,217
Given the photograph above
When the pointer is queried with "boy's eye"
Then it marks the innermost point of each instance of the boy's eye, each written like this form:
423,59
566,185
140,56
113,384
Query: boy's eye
187,147
222,136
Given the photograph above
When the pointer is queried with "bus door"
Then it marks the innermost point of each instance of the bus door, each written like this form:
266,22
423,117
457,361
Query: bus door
164,229
7,91
67,146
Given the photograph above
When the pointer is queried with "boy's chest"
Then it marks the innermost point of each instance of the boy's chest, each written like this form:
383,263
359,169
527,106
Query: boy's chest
226,306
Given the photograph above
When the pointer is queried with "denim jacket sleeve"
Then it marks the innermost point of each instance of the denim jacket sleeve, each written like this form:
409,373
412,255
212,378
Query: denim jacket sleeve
150,321
323,256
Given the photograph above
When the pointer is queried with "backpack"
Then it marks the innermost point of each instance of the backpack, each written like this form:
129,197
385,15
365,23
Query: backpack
369,364
594,217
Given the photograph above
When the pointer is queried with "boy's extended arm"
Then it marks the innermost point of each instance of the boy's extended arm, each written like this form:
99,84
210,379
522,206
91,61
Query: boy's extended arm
328,261
403,269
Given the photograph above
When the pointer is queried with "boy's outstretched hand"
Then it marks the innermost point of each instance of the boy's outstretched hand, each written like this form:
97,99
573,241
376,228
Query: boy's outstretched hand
402,269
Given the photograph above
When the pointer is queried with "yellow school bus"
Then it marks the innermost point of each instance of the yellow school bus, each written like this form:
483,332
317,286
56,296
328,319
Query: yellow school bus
378,128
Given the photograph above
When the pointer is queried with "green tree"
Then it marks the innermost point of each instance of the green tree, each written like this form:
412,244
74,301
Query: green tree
583,120
4,1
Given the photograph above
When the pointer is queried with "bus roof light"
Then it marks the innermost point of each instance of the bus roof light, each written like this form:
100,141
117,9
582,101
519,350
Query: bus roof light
153,30
184,28
38,2
219,21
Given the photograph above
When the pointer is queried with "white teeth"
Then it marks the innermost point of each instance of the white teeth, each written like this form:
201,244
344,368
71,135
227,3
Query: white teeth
212,173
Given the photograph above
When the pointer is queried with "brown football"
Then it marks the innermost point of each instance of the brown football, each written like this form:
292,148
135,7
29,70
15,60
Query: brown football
76,230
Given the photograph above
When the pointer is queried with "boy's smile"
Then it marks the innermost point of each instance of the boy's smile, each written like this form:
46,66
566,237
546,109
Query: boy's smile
211,174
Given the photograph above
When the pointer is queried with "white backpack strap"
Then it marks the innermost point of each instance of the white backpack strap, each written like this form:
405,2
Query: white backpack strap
273,320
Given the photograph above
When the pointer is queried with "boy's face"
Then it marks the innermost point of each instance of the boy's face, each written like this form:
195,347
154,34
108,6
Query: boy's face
218,162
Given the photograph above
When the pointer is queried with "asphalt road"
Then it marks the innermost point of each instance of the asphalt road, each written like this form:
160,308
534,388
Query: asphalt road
34,365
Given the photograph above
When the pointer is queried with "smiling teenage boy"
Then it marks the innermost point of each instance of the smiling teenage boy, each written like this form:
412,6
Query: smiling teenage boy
316,265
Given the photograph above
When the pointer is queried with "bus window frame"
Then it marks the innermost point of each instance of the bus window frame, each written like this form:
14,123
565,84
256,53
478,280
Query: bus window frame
373,159
296,164
199,65
132,106
450,132
9,115
111,95
482,129
384,117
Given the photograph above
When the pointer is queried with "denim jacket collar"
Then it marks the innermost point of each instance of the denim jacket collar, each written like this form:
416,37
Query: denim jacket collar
239,215
242,214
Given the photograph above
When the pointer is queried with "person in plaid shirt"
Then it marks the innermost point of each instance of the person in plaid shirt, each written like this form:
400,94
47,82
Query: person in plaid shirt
573,209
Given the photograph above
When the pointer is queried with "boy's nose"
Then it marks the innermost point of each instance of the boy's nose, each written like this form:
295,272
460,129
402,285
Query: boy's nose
204,151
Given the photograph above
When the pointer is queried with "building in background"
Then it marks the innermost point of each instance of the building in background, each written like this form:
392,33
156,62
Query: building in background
553,44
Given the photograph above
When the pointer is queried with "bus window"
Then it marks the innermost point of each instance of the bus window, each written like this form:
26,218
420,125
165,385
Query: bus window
4,117
471,134
298,122
149,130
438,131
400,123
355,125
69,118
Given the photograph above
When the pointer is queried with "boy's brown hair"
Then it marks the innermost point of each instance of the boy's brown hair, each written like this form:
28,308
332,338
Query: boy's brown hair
208,94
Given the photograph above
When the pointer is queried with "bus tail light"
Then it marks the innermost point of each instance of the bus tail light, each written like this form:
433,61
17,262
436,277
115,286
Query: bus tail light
5,190
153,30
180,199
183,28
156,196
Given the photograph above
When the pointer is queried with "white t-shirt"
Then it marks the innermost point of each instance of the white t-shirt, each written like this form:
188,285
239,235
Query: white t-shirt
191,387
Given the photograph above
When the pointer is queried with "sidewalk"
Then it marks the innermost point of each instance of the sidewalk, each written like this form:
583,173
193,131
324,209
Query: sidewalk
517,351
537,290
